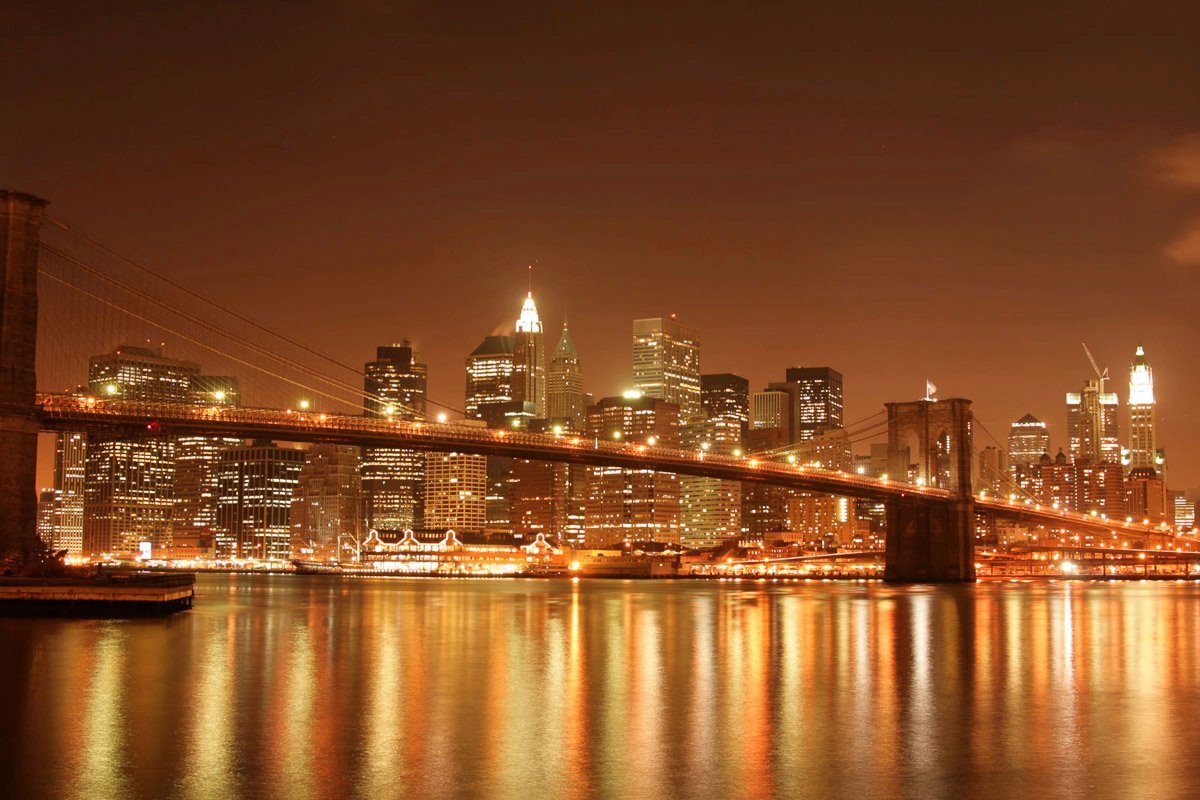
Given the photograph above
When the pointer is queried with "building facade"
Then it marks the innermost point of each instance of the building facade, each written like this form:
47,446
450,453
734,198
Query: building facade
456,486
328,507
565,398
666,364
1143,415
256,484
529,359
393,478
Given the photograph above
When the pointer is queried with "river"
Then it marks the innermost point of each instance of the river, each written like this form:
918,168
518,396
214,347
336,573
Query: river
324,687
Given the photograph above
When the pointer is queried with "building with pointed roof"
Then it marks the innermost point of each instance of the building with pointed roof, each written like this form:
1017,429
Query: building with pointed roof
1143,415
529,359
565,398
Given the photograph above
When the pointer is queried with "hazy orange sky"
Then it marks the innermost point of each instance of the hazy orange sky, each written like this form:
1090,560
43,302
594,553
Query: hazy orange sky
963,192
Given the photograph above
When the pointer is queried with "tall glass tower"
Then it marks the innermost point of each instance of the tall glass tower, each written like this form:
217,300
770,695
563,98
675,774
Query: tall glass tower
1143,422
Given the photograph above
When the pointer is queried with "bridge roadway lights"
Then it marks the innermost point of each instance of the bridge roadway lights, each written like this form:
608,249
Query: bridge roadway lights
20,225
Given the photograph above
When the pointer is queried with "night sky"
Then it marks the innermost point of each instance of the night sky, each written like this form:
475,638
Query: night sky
963,192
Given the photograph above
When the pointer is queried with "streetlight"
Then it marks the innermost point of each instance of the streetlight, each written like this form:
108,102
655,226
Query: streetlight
219,396
441,417
304,405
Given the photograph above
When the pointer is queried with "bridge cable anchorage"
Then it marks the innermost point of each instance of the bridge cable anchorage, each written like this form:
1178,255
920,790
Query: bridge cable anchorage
347,393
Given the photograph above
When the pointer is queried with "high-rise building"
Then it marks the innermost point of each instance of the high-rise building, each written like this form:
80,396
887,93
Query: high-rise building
710,508
1092,424
328,503
46,505
456,492
129,483
1146,495
194,510
1183,509
529,359
772,408
625,505
1143,423
565,398
256,483
816,399
992,467
724,395
821,519
393,478
1028,439
490,375
70,464
541,497
666,364
1083,486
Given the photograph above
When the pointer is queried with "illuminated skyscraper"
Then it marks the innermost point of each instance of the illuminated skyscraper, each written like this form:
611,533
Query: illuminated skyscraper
771,409
255,487
529,359
725,396
393,478
815,400
1092,424
666,364
456,492
1028,439
194,511
1143,423
625,505
129,484
565,398
328,500
70,464
490,375
710,508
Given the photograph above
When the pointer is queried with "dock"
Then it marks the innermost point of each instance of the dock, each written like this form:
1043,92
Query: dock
116,594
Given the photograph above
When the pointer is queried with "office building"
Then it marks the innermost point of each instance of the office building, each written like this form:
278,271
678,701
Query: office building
724,395
666,364
626,505
529,359
393,478
328,506
256,483
710,508
456,487
490,375
1028,440
566,401
1143,422
1092,424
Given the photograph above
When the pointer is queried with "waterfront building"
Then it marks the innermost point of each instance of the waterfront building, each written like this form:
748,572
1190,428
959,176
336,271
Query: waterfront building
194,507
256,483
129,483
1143,422
1083,486
566,401
666,364
529,359
328,503
627,505
710,508
456,486
70,466
823,520
393,478
47,505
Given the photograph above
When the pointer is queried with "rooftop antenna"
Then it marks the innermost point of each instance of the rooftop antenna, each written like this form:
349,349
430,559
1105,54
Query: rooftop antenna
1101,376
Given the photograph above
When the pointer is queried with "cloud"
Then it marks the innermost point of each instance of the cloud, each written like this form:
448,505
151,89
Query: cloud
1184,249
1178,163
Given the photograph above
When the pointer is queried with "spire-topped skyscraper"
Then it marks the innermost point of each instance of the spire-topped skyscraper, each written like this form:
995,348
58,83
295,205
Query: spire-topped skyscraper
1143,423
564,384
529,357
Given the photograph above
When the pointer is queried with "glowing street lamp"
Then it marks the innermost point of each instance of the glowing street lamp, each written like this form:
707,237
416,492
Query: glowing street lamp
441,417
305,405
111,389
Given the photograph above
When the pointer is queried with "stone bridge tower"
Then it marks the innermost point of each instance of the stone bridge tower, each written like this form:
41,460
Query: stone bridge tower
931,539
20,226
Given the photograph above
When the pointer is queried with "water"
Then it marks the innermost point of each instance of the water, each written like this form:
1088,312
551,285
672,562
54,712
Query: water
315,687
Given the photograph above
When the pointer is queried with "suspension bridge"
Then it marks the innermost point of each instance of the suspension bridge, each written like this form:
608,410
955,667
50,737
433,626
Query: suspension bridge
65,295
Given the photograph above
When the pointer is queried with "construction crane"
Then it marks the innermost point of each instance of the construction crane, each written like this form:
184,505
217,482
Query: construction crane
1101,376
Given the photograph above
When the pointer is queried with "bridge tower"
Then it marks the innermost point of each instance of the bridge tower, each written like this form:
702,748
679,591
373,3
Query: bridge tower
931,539
20,227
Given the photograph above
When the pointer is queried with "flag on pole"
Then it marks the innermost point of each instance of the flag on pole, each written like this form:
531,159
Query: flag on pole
930,389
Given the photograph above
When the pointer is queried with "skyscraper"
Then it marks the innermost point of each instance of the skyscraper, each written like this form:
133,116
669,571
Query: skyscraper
816,400
666,364
529,359
625,505
1028,439
70,464
393,478
255,486
565,398
1092,424
129,484
328,500
490,375
194,511
456,492
710,508
1143,422
725,396
771,409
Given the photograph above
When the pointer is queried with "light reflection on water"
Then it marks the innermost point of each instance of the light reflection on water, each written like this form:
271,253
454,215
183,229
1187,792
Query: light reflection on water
314,687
